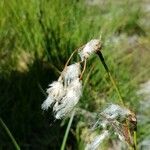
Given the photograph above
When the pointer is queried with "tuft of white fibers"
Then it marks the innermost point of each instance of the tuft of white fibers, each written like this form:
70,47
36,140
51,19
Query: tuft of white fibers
114,111
94,145
91,47
48,102
112,114
70,73
55,93
69,101
115,116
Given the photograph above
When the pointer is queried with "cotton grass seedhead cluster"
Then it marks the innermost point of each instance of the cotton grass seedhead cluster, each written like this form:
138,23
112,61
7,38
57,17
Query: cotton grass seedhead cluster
64,94
69,100
114,117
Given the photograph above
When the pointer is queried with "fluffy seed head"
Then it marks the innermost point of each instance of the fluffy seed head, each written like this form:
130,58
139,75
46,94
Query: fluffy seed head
68,102
114,111
91,47
55,93
71,72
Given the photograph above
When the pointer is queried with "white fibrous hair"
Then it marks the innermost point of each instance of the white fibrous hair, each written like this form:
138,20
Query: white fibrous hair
114,111
91,47
55,93
95,144
69,101
65,93
114,116
70,73
111,114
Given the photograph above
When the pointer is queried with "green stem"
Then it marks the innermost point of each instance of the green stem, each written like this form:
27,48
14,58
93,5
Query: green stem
9,134
110,76
135,140
67,131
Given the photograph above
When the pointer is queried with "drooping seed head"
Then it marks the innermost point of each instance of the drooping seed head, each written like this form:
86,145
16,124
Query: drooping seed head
55,93
91,47
70,73
69,101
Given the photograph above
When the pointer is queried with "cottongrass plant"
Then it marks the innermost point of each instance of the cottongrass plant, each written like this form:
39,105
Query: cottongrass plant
65,93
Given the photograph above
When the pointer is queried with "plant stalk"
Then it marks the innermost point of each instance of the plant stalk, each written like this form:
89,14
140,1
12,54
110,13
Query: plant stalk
110,76
67,131
9,134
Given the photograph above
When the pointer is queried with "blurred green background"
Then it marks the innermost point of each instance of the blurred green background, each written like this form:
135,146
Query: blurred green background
37,37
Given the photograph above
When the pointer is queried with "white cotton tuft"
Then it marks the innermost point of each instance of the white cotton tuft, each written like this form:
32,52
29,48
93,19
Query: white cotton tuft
91,47
71,72
56,89
114,111
94,145
69,101
55,93
47,103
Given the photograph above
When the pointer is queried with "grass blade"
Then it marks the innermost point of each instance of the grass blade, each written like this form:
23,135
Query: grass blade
9,134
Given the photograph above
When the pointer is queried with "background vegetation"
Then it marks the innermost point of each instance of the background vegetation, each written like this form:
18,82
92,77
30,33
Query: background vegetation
37,37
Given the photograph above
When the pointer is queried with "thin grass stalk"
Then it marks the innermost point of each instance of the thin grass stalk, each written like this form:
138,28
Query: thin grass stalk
67,131
110,76
84,67
9,134
72,54
135,140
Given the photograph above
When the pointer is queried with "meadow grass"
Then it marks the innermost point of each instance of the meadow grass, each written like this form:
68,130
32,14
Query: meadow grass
37,37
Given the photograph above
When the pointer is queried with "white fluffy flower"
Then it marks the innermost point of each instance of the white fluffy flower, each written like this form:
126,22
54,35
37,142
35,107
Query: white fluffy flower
68,102
114,111
55,93
70,73
112,114
94,145
91,47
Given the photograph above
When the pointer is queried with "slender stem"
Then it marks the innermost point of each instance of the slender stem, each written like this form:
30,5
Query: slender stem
135,140
84,67
9,134
67,131
110,76
72,56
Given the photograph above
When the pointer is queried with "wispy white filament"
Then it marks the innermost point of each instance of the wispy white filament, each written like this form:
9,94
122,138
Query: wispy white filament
71,72
94,145
68,102
48,102
55,93
90,48
114,116
113,111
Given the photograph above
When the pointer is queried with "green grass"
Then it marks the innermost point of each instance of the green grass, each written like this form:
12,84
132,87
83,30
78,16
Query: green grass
37,37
